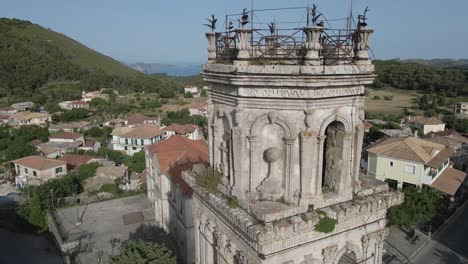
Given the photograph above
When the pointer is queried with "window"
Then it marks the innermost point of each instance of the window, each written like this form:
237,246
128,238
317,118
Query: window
58,170
142,142
390,164
126,141
34,173
134,148
410,169
25,170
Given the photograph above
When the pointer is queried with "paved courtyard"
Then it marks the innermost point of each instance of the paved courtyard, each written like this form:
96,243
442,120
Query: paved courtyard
450,243
104,226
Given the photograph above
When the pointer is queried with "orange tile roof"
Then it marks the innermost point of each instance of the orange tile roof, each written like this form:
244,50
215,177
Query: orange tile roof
76,160
409,148
178,154
144,131
449,181
39,163
181,129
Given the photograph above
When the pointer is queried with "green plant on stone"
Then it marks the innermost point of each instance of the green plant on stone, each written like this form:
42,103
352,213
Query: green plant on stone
233,202
209,180
326,224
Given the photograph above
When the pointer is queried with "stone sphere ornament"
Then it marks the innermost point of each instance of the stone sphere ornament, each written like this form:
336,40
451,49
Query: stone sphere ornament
272,154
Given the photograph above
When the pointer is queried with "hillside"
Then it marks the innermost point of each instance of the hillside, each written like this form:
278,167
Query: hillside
76,52
44,66
441,63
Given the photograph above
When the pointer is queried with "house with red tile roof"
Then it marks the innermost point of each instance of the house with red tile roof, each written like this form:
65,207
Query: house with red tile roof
170,195
34,170
190,131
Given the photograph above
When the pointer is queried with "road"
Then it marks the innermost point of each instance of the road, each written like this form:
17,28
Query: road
449,244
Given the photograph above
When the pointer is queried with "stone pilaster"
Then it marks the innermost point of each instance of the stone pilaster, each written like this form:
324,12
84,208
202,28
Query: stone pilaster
309,179
212,38
320,149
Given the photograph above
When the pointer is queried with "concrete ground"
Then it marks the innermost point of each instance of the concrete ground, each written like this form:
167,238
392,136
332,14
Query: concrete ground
399,249
7,188
106,225
450,243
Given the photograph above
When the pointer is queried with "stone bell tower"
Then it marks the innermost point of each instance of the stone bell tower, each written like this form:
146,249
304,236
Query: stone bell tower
285,131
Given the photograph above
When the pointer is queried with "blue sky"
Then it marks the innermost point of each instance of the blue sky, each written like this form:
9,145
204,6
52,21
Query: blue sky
171,31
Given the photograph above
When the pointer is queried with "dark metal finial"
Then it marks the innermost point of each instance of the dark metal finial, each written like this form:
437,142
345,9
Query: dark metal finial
362,19
272,27
212,23
244,18
315,15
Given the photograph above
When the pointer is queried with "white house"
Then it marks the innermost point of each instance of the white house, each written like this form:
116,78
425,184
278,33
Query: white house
170,195
191,89
66,137
461,108
198,109
69,105
133,139
34,170
425,124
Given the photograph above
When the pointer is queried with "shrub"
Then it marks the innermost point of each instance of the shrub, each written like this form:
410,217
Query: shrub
138,251
388,97
376,97
209,180
326,224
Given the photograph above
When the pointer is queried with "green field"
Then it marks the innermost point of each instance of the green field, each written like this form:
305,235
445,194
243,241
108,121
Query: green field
401,99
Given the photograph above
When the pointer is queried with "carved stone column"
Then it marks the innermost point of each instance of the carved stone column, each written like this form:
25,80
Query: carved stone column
210,110
212,38
254,142
214,147
244,47
313,45
358,141
361,46
347,163
319,164
209,240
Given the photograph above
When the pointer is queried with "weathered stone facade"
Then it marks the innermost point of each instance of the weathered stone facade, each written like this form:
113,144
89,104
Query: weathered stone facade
287,139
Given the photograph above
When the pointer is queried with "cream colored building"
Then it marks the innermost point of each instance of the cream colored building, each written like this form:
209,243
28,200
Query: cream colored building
170,195
134,139
410,162
461,108
30,118
34,170
426,124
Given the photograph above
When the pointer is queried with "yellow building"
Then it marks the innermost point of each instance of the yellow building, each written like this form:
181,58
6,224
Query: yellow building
410,161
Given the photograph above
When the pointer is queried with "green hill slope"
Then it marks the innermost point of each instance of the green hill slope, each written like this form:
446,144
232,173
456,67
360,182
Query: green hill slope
44,66
76,52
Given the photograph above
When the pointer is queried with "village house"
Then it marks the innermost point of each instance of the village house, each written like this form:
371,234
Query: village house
23,106
170,195
461,108
139,119
410,162
91,145
88,96
4,119
30,118
67,137
34,170
197,109
193,132
114,123
193,90
7,110
133,139
69,105
425,124
74,161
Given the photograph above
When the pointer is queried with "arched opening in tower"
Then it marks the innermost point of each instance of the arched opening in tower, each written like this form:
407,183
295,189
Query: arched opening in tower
333,156
348,258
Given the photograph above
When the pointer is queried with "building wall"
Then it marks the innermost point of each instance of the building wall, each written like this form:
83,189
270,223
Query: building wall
134,145
433,128
43,175
380,168
59,140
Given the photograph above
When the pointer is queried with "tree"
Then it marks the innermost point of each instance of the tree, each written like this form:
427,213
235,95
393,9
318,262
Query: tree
36,215
136,162
138,251
420,206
